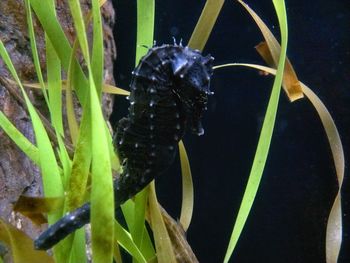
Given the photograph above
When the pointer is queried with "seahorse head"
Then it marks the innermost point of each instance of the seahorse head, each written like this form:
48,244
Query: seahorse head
192,72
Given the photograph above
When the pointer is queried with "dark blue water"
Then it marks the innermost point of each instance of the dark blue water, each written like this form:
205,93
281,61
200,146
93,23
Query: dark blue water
288,219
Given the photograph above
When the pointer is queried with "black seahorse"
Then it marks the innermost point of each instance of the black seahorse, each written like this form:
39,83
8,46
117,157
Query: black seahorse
169,92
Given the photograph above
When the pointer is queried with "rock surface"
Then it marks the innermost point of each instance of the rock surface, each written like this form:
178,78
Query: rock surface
18,175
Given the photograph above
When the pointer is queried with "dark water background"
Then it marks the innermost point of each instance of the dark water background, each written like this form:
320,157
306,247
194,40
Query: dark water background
288,219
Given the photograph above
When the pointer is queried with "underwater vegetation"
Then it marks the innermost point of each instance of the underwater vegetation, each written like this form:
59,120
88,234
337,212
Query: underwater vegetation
86,173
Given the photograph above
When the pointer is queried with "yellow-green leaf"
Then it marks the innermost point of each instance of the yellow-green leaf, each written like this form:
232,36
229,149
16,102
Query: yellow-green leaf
205,24
126,241
19,139
292,87
264,138
187,188
102,197
165,252
21,246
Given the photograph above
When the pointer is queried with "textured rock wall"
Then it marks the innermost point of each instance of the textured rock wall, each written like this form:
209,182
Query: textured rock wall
18,175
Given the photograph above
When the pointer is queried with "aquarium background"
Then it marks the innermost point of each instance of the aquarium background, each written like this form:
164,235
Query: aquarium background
288,219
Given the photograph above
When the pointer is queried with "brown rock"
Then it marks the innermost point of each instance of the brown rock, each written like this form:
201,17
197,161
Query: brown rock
18,175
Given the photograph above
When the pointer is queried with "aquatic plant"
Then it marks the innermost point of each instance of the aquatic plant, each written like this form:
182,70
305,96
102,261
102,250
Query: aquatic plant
93,142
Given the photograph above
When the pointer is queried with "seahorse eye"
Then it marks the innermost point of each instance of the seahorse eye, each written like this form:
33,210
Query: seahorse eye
178,63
